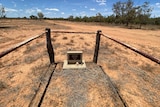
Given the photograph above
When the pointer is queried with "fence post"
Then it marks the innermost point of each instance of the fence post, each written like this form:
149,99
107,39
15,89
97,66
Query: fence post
98,35
49,46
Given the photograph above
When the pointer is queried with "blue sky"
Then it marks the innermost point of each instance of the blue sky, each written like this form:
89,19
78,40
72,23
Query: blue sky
65,8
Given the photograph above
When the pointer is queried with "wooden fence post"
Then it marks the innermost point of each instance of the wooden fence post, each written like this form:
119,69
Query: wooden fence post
49,46
98,35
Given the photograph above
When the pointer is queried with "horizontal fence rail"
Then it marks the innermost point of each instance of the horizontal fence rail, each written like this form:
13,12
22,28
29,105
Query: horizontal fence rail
154,59
73,32
19,45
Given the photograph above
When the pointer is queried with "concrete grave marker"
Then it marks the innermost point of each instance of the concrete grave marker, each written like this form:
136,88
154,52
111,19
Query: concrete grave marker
74,60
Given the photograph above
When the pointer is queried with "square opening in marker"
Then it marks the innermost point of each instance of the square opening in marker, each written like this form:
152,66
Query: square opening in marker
74,56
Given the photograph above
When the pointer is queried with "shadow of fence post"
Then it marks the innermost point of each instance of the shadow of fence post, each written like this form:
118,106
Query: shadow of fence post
49,46
98,35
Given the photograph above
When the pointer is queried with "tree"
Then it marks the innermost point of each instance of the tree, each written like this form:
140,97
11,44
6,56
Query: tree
124,11
119,11
130,12
127,13
70,18
33,17
99,17
143,13
2,12
40,15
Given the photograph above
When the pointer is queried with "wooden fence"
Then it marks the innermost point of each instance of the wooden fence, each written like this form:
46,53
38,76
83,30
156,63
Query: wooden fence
95,57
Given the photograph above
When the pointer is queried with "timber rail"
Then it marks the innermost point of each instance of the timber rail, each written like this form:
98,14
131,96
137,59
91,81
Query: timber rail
154,59
95,58
19,45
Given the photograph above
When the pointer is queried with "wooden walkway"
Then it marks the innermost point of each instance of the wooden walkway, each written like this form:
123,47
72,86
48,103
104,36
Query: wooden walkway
78,88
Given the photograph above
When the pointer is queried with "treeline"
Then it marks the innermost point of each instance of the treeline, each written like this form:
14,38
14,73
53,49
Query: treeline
124,13
112,19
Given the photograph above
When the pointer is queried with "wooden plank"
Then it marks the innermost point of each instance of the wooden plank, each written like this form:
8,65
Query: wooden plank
81,87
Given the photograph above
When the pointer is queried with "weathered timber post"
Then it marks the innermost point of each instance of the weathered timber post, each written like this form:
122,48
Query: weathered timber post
49,46
98,35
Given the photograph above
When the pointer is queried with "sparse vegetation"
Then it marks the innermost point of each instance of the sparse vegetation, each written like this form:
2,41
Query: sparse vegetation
71,41
53,39
2,11
87,44
69,44
23,76
30,49
147,67
81,38
30,59
3,85
64,38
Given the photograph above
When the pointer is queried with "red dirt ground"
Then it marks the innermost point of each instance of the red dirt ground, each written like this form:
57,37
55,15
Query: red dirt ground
136,78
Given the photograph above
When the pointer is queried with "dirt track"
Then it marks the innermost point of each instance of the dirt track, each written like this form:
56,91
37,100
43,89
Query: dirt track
136,78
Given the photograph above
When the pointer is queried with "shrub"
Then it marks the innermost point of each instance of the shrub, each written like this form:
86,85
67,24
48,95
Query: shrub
65,38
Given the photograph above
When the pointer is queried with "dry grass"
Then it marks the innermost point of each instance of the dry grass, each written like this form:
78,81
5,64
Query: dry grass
64,38
71,41
87,44
69,44
137,78
32,48
30,59
81,38
53,39
3,85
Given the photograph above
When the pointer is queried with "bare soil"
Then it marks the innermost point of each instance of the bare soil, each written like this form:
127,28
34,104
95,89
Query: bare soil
136,78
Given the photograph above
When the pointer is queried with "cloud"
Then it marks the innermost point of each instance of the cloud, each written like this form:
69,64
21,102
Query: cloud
47,13
73,9
52,9
33,10
83,13
62,13
30,11
20,10
85,7
10,10
101,2
15,5
158,5
92,9
38,10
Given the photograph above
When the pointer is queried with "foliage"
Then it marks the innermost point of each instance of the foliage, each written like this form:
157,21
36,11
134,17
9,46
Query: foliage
40,15
2,12
33,17
127,13
124,13
143,13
